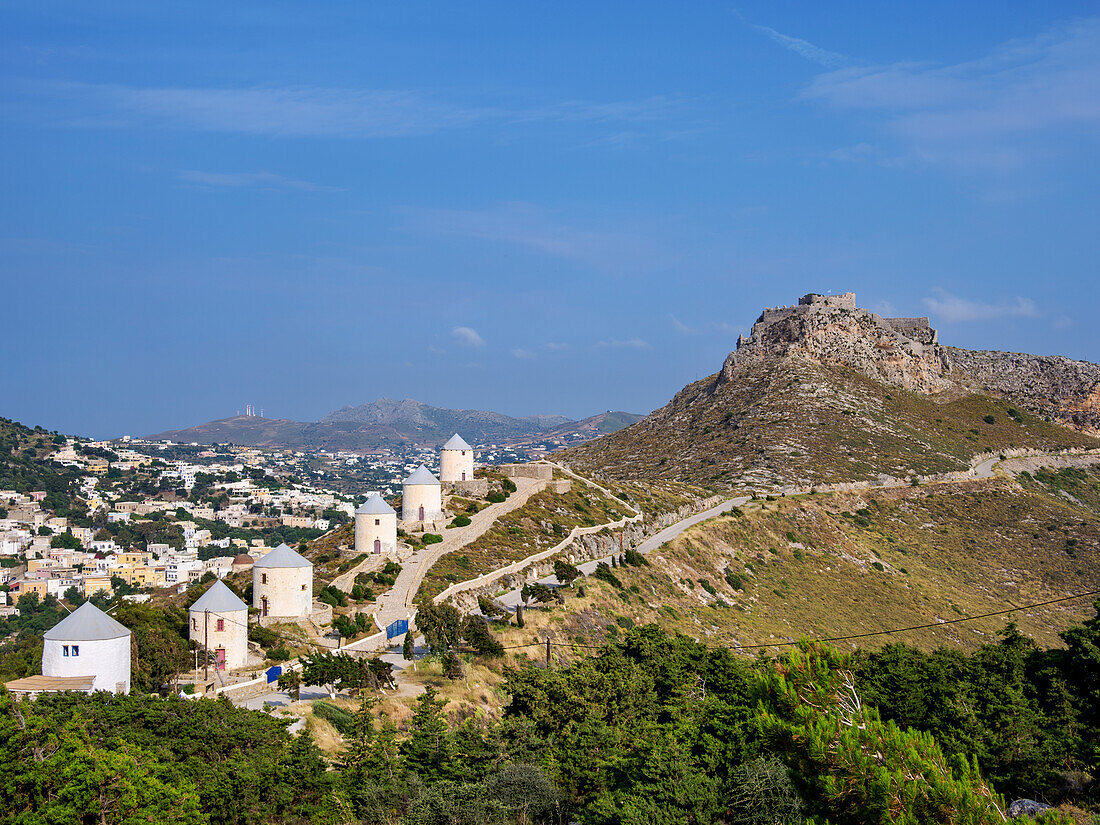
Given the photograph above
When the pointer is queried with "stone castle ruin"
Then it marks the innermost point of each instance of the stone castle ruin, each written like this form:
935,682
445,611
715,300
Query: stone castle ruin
831,328
918,330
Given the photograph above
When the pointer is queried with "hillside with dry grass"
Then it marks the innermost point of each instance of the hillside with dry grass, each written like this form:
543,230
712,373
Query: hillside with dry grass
845,564
801,422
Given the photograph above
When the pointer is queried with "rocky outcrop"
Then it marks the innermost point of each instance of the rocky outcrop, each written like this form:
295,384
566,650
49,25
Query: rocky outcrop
899,351
1053,385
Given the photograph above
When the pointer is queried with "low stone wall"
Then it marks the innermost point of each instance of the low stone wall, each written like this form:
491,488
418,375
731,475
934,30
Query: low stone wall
540,471
527,568
477,487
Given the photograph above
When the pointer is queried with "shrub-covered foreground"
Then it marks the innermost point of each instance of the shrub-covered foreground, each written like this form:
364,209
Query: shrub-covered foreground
656,728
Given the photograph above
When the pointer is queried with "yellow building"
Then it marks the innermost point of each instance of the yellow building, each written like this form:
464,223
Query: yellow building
95,584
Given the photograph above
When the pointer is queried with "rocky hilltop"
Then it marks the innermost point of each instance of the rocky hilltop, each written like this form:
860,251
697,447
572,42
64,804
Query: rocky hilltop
906,352
825,392
832,329
1052,385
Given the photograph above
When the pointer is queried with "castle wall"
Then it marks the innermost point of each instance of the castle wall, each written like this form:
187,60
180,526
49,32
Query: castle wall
917,329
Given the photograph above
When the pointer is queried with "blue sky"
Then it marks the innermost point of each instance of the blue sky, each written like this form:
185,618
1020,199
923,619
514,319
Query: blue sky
532,208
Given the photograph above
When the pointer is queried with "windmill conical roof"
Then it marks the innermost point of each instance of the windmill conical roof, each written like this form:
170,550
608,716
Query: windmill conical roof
86,624
456,442
375,505
218,599
422,475
283,556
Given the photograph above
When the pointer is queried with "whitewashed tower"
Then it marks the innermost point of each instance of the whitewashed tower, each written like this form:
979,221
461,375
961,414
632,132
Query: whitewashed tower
219,623
282,584
88,642
421,497
456,460
375,526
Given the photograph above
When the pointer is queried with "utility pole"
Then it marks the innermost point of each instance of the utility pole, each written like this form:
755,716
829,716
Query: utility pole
205,644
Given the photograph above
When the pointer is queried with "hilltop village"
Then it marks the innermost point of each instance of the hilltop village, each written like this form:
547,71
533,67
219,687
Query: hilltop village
90,651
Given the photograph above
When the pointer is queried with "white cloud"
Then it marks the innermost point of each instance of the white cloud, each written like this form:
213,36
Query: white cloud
629,343
467,336
432,348
311,111
556,346
522,353
992,112
680,326
948,308
248,180
803,48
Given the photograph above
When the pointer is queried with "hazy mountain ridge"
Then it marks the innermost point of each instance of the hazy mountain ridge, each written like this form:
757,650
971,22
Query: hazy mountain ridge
388,423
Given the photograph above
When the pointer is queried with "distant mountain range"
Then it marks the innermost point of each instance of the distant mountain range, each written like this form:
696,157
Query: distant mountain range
387,423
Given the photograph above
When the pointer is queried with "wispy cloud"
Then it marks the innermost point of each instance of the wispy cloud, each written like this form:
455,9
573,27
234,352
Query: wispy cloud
948,308
617,251
680,326
432,348
991,112
467,336
629,343
250,180
803,48
522,354
556,346
311,111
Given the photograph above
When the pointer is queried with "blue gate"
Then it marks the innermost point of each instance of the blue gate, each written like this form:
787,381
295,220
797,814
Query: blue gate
398,628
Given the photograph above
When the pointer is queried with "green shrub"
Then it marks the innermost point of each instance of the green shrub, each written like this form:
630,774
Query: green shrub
988,419
278,654
706,585
431,538
733,580
341,719
460,521
496,497
508,485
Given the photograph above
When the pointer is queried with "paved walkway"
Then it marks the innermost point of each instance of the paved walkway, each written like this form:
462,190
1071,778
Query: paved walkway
397,603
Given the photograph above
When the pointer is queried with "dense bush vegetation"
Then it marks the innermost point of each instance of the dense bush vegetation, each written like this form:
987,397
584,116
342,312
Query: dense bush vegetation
655,728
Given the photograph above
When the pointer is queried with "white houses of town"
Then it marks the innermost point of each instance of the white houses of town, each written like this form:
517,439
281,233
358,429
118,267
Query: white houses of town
219,624
375,526
282,584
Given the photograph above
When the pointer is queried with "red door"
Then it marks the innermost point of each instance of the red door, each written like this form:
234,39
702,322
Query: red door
377,546
264,600
464,476
220,653
421,512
